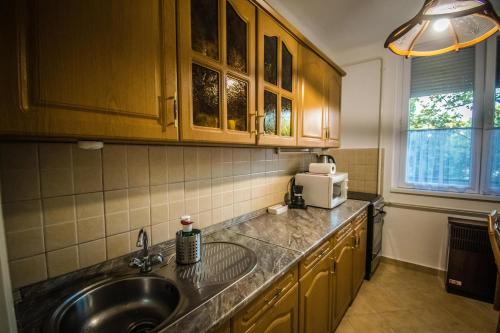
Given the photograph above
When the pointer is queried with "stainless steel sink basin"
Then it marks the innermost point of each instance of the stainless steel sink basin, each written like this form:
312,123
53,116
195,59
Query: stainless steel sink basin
133,304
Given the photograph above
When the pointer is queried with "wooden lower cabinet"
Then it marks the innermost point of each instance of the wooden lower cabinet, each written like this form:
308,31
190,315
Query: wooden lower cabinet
314,301
328,280
342,278
276,311
359,256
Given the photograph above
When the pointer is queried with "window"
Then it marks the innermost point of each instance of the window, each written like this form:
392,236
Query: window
492,128
450,140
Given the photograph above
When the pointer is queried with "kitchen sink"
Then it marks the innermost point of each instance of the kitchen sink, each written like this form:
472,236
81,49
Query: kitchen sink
141,303
132,304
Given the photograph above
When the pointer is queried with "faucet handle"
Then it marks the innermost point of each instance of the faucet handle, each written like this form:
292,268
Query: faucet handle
136,262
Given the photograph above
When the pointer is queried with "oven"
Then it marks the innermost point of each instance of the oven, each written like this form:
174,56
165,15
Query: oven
375,225
374,250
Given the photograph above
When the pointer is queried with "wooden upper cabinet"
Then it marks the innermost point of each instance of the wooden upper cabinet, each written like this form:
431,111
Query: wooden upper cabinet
217,70
313,99
95,69
277,58
319,109
333,90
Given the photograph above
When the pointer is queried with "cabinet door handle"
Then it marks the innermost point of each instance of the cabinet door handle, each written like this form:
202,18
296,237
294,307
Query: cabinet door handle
257,117
164,112
334,267
176,112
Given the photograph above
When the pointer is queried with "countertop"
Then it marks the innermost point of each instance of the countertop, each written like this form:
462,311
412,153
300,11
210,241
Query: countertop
279,241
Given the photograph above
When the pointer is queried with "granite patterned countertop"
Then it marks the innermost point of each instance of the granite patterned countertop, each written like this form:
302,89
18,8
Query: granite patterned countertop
279,242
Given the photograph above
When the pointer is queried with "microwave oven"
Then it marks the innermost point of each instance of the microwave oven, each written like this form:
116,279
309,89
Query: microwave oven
323,190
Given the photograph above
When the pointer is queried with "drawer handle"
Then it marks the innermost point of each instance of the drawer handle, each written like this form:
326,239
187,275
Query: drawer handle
322,253
276,295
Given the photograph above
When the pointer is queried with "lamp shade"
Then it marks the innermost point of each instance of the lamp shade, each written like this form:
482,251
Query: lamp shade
443,26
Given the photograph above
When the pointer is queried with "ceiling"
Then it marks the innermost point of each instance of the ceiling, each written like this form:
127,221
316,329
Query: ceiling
337,25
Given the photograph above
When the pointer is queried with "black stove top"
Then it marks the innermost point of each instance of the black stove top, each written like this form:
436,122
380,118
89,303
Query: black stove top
371,197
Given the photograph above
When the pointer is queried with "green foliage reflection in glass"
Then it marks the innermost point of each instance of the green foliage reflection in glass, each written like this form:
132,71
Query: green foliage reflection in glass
271,59
270,110
237,91
205,27
205,97
286,117
453,110
236,40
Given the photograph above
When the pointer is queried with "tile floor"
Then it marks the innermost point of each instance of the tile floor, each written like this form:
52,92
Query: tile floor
399,299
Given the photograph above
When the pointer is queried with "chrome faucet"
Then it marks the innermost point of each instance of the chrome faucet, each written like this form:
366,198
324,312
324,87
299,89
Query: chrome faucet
145,261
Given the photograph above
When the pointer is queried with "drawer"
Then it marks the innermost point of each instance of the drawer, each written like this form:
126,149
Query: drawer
362,217
342,233
362,224
245,319
311,259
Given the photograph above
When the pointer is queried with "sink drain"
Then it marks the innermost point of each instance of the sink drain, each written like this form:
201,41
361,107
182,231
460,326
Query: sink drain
142,326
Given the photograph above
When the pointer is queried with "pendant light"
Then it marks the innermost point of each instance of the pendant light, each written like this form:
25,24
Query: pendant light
443,26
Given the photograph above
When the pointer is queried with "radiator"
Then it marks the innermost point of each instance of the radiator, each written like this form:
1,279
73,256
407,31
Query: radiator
471,265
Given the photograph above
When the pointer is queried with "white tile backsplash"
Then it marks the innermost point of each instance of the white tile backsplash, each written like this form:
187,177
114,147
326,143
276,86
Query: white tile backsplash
67,208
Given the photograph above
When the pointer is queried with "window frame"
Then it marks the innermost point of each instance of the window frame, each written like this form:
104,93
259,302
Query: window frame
484,76
489,107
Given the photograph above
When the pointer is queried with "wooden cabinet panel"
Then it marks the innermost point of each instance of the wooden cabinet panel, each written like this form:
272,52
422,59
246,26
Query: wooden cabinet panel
313,99
217,70
95,69
283,317
314,257
276,308
333,88
359,256
314,300
342,278
277,59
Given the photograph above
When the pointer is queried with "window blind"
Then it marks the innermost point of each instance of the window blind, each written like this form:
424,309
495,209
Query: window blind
443,74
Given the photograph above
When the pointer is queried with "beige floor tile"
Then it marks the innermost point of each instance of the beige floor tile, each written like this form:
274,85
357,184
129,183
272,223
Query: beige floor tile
399,299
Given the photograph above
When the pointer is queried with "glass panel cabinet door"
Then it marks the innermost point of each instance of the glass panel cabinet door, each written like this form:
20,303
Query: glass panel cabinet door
286,68
204,33
270,112
271,59
277,94
237,39
237,104
217,70
286,117
206,92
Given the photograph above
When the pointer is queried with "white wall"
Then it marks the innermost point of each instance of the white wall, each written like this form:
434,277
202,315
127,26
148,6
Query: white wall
410,235
361,104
